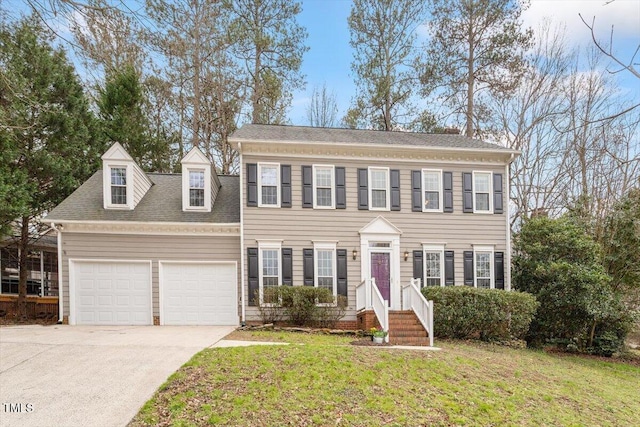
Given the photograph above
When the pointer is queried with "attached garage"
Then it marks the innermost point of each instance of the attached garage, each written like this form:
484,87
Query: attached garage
198,293
110,292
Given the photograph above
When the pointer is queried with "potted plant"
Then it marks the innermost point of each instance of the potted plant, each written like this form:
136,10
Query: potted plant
378,335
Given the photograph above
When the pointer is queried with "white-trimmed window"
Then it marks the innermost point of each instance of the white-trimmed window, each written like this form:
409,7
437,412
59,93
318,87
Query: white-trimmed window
482,200
379,191
323,186
270,269
483,267
432,190
325,267
196,188
433,265
118,185
269,184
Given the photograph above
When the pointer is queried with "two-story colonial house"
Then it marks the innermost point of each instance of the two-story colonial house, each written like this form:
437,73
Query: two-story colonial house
322,207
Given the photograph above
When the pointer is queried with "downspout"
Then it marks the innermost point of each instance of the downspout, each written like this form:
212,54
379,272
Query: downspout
60,282
242,269
507,211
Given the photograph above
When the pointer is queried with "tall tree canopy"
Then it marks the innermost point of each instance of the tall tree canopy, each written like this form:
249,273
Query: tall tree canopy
121,104
474,46
270,44
382,36
46,125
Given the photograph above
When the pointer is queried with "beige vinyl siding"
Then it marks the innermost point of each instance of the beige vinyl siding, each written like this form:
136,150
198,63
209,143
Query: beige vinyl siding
298,227
141,185
215,184
145,248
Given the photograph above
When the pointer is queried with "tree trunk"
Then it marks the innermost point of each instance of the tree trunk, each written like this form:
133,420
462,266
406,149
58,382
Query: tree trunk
23,255
470,83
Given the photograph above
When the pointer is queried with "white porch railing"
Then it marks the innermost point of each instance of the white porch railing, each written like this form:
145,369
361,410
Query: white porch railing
368,297
412,299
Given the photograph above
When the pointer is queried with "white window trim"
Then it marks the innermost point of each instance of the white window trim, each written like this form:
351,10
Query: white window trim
186,200
432,248
107,185
388,189
490,250
268,245
278,199
320,247
490,211
333,187
440,191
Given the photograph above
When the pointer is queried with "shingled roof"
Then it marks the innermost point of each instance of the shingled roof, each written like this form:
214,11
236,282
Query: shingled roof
270,133
162,203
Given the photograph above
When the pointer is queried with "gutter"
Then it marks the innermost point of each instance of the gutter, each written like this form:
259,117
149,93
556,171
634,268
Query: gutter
58,229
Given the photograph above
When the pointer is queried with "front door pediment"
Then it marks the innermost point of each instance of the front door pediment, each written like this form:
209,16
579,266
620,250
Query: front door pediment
380,225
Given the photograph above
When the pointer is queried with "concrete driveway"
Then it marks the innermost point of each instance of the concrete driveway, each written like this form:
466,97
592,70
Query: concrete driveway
90,375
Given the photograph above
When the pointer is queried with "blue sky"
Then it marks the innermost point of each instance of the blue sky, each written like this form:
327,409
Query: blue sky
330,55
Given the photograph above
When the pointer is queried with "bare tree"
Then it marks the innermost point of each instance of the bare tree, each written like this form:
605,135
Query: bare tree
323,108
269,43
475,46
383,37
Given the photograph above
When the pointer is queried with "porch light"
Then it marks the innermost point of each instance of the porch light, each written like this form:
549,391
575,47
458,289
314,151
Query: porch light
355,254
406,255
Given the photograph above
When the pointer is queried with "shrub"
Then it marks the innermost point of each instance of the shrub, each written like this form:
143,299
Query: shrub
558,262
302,306
487,314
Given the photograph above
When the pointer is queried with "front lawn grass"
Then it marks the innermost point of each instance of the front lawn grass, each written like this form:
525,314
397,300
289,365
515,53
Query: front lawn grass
324,384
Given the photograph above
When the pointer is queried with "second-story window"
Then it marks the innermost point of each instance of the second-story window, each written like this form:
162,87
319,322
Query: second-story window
379,188
269,177
482,191
432,188
323,184
196,188
118,186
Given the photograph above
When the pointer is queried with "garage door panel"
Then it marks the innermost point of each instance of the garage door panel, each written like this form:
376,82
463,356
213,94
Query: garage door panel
199,294
112,293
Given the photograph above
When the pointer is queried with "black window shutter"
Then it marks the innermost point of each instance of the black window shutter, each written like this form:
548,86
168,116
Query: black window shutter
499,269
285,186
363,189
416,191
418,268
307,264
468,268
254,278
449,269
447,187
341,255
497,193
341,190
252,184
394,178
287,266
467,191
307,187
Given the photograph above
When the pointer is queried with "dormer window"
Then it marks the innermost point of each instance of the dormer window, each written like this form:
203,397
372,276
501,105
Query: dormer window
199,182
196,188
118,185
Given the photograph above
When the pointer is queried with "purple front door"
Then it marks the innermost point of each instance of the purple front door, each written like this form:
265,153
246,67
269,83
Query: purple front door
381,271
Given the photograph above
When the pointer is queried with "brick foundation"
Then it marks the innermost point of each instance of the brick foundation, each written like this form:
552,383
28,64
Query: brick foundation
367,320
65,320
156,320
348,325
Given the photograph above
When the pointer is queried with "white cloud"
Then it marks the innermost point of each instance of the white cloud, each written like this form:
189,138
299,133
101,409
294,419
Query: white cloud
624,15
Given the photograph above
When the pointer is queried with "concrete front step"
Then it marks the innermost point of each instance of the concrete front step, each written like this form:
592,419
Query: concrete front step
417,341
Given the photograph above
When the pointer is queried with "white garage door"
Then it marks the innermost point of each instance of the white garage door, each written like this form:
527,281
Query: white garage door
198,294
111,293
